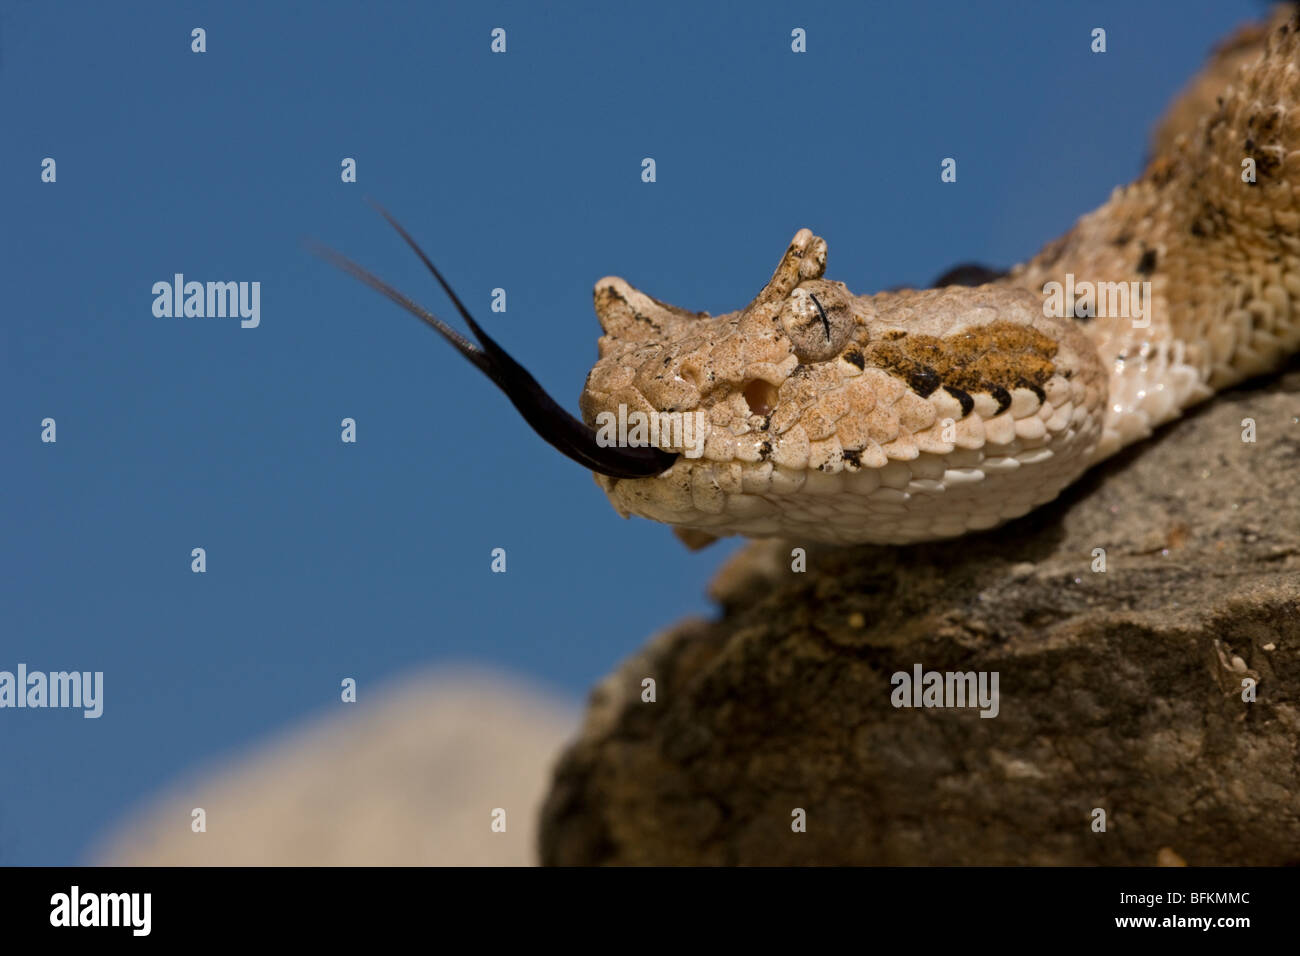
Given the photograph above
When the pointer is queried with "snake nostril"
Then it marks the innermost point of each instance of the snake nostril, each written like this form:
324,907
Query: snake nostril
760,396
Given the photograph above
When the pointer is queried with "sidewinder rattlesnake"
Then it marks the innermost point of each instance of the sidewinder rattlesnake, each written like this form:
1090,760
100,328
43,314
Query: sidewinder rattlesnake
913,415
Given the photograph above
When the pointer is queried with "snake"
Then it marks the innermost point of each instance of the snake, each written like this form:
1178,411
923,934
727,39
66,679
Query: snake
910,415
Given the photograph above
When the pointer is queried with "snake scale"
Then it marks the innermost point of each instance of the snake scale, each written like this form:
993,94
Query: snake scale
916,415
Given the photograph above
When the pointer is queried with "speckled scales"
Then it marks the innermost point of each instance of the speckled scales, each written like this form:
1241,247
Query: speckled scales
914,415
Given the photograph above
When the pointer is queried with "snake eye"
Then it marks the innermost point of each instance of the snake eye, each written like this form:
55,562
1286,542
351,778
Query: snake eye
817,320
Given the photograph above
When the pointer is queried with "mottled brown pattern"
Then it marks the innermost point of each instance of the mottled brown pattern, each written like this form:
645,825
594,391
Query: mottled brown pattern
1212,261
1003,354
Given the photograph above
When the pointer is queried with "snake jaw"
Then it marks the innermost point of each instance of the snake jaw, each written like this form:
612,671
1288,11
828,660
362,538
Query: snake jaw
567,434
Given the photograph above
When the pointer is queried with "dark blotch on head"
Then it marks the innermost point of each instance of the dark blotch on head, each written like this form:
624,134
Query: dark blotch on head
855,358
998,354
1042,396
967,403
1002,397
1147,264
924,381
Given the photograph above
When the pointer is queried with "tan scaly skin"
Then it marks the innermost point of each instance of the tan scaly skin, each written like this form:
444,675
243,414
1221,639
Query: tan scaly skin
913,415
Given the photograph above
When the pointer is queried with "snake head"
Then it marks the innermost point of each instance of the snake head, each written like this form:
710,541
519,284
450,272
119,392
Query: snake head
812,411
740,380
816,412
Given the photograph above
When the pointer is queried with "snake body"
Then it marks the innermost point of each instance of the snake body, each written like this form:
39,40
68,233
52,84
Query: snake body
914,415
923,414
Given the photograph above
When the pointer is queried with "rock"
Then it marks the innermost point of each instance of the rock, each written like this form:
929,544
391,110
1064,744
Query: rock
410,776
1119,691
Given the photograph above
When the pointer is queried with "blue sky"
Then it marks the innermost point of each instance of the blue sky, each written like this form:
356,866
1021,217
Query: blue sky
518,170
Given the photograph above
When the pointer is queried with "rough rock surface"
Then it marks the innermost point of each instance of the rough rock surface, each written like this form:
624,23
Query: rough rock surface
1119,690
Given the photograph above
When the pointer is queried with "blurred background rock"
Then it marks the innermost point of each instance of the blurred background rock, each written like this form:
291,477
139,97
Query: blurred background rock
409,775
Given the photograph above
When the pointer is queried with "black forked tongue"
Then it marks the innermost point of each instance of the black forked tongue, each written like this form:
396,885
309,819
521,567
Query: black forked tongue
566,433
